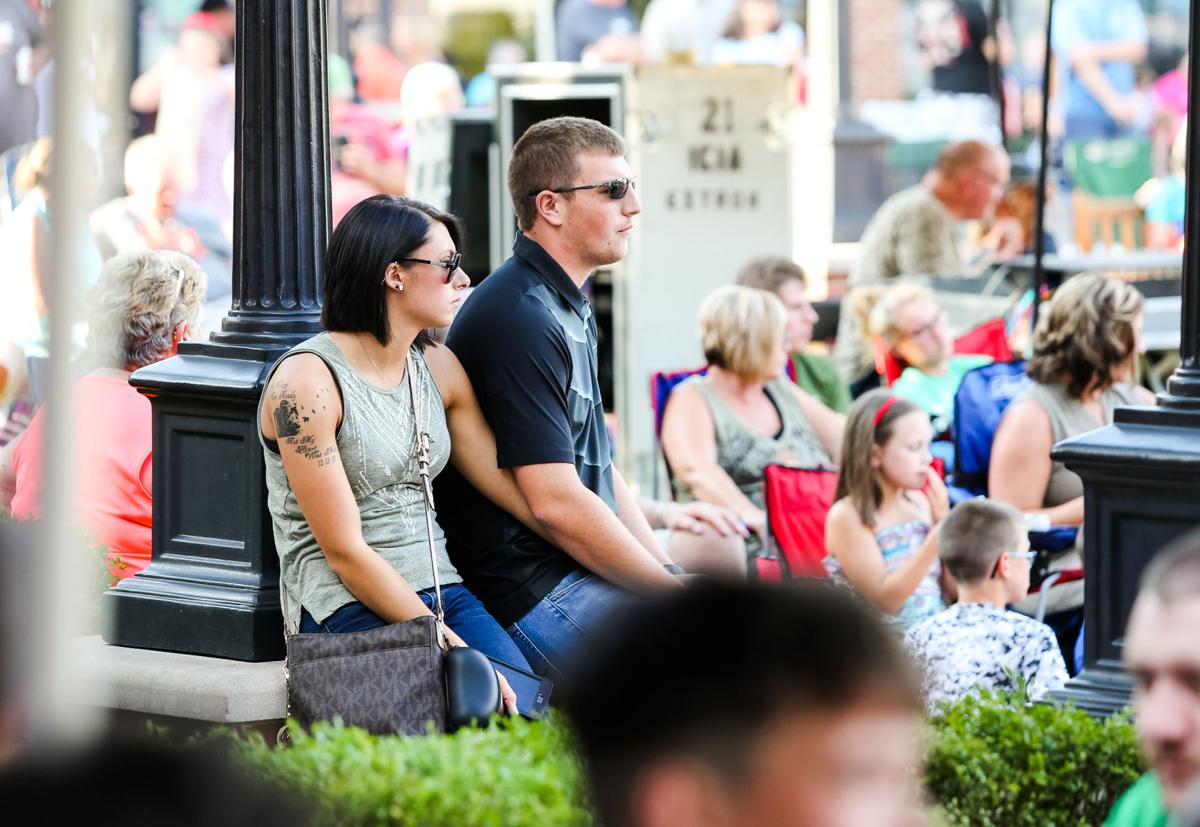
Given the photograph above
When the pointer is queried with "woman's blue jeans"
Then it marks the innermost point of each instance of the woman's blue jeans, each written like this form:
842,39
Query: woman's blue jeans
465,615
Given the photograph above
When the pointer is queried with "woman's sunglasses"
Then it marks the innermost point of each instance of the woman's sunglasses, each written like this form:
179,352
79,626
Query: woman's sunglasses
451,264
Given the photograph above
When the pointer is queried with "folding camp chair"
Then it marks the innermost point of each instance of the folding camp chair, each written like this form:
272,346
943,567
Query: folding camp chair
661,385
983,396
798,499
1106,174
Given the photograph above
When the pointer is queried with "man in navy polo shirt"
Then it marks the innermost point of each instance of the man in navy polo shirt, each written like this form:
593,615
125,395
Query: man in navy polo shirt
527,338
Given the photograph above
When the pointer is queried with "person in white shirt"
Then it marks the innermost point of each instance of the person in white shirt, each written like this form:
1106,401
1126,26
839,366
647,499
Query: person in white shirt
977,643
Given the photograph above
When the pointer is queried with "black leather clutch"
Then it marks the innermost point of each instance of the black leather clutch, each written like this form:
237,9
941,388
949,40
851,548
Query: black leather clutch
472,688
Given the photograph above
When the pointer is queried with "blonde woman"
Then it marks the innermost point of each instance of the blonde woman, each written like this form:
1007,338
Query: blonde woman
917,331
721,430
1084,349
142,307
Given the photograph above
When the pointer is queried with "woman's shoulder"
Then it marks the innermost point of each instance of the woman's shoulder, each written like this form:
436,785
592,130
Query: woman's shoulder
1123,394
301,369
691,392
437,357
1042,396
448,374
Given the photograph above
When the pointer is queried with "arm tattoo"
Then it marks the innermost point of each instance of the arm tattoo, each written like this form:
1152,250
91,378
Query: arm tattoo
287,416
290,416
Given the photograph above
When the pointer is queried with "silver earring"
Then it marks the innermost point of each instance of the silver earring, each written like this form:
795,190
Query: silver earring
400,287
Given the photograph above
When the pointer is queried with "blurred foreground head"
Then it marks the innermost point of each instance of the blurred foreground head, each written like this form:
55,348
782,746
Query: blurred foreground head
749,704
1161,652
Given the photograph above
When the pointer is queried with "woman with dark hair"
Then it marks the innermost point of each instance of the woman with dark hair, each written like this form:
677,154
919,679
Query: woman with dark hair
336,422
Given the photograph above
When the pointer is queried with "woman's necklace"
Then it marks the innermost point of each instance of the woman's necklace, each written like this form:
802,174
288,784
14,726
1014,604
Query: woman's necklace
368,355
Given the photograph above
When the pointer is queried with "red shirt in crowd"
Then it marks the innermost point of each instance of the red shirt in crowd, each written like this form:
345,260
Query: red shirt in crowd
111,471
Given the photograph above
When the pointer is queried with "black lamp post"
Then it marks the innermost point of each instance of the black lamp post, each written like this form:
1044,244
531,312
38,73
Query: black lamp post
212,585
1141,474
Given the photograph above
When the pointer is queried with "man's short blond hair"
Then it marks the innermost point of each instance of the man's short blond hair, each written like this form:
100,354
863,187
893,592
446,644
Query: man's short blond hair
742,330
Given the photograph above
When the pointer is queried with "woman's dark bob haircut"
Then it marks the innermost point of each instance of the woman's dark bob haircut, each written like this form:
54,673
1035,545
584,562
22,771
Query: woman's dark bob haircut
376,232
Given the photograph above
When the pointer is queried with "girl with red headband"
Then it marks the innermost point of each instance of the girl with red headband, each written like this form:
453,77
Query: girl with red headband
881,533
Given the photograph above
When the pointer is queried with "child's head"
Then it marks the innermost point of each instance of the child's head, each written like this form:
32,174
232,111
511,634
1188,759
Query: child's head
886,444
982,540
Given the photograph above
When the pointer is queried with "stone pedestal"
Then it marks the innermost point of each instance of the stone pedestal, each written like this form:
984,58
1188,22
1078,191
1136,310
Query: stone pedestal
1142,483
212,585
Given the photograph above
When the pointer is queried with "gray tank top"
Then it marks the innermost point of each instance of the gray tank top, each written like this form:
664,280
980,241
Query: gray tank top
377,445
744,453
1068,418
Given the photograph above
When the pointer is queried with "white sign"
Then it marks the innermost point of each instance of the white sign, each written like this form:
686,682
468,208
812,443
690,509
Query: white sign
710,148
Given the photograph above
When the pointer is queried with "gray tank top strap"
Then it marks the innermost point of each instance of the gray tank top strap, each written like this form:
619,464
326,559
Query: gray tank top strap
1068,417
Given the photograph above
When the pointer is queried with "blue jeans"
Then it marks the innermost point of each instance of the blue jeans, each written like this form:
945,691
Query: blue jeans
556,629
464,614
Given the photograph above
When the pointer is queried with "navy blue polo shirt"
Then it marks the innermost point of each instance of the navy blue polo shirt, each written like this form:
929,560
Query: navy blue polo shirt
527,339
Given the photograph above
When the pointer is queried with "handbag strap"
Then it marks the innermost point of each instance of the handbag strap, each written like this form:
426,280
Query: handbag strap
422,441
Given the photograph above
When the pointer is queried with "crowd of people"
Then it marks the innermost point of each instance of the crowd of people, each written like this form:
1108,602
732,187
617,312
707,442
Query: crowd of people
545,545
540,542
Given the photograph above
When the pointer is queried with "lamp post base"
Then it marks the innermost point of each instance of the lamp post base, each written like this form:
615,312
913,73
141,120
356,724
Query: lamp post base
1141,479
212,587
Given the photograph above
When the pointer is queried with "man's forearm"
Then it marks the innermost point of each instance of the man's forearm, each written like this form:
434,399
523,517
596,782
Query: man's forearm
633,518
585,528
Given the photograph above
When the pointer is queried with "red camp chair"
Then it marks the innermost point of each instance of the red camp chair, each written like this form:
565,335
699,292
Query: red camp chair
798,499
988,339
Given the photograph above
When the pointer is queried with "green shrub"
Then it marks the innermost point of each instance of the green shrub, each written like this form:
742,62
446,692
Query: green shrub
514,773
994,761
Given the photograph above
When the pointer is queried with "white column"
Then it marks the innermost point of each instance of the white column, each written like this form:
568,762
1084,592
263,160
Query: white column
59,713
812,167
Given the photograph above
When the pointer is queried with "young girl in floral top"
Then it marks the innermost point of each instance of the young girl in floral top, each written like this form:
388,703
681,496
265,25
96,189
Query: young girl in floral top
881,533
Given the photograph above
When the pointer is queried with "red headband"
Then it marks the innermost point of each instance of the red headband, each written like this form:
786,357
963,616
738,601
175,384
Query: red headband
883,409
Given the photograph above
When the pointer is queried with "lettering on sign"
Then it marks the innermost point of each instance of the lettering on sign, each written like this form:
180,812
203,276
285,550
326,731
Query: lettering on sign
706,199
708,157
714,153
718,115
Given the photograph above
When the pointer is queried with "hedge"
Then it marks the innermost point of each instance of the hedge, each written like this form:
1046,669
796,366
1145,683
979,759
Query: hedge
515,773
995,761
992,761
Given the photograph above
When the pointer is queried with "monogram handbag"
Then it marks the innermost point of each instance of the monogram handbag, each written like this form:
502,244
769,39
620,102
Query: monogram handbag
398,678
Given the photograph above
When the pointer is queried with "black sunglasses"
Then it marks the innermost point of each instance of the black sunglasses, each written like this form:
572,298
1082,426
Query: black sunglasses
451,264
617,188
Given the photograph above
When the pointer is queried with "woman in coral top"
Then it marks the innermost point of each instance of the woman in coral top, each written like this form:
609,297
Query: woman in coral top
142,307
